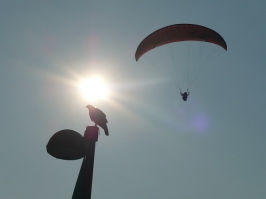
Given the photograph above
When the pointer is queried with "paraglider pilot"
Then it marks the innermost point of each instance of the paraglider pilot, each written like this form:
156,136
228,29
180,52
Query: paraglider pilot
184,95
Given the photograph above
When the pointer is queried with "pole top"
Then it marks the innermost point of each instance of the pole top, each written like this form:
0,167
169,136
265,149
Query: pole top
91,133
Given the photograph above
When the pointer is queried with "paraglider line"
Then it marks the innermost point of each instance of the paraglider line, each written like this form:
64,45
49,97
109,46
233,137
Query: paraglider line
201,67
175,67
188,64
158,68
169,73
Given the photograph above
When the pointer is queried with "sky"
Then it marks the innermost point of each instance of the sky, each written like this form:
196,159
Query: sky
212,146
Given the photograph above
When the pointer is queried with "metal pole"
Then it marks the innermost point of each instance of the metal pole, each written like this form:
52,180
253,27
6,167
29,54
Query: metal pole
84,182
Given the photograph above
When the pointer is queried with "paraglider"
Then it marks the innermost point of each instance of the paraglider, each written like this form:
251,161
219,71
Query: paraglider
177,33
184,95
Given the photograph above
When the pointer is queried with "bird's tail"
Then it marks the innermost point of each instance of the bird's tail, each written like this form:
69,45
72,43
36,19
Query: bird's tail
106,131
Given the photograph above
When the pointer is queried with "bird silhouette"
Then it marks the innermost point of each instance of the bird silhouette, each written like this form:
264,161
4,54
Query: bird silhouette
98,117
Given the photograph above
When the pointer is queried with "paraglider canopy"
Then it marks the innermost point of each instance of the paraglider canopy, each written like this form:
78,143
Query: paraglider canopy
67,145
177,33
183,53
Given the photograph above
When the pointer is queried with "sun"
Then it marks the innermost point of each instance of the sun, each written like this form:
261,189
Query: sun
93,88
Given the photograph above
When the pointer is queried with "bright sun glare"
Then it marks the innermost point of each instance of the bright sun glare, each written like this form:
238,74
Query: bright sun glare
93,88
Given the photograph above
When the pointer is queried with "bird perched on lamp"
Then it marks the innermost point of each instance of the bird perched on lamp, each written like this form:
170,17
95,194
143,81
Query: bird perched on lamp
98,117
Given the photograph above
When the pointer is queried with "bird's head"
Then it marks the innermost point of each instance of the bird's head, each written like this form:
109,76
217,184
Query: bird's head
90,107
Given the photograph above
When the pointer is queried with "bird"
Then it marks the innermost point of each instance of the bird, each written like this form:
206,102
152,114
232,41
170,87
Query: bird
98,117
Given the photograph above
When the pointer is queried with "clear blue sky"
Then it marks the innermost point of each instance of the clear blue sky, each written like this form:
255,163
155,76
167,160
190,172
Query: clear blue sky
210,147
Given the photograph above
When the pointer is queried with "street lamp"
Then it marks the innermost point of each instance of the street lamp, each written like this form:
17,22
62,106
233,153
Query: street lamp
70,145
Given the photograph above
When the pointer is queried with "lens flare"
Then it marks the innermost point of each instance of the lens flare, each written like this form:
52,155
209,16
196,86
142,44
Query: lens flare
201,124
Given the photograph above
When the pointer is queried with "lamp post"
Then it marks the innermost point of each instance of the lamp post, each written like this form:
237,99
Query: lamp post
70,145
84,182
